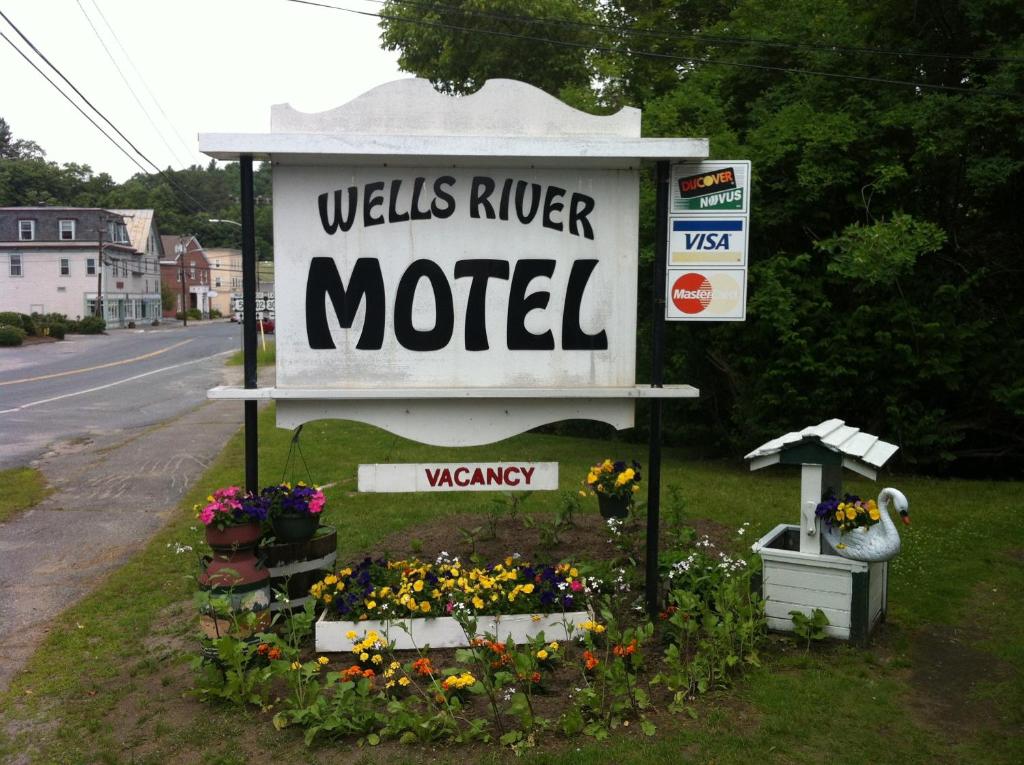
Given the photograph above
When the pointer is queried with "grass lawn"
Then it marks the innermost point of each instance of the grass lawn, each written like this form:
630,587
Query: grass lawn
23,488
942,682
264,356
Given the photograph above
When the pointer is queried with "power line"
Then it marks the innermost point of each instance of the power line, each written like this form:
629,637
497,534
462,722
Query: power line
198,206
704,37
655,55
142,79
127,84
72,102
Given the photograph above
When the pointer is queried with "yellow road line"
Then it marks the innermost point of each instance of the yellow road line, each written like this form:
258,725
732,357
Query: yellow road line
98,366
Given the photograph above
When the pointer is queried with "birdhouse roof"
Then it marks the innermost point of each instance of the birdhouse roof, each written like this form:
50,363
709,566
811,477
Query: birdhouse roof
831,442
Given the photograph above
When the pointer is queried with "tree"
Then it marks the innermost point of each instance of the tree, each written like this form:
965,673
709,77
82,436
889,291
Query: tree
12,149
886,234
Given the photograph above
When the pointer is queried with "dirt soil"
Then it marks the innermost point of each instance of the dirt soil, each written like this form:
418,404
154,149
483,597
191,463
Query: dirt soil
587,539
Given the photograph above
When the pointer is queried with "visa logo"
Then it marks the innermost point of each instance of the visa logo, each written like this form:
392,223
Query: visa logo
707,241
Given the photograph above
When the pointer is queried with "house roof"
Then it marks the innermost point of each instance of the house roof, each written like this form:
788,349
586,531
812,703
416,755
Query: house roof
829,442
138,223
170,242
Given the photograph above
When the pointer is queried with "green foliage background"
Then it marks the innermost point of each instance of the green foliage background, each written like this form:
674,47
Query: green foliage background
886,242
886,229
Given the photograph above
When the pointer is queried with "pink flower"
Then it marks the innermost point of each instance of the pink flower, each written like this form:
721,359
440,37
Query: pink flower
316,502
206,515
576,585
448,608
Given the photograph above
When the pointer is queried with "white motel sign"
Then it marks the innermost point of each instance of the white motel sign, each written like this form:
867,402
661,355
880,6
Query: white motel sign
455,270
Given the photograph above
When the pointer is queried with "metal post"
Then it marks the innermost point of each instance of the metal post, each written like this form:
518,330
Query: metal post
249,320
657,380
180,249
99,273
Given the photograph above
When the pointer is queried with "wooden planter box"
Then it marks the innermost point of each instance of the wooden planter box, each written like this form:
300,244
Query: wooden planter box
444,631
295,566
852,594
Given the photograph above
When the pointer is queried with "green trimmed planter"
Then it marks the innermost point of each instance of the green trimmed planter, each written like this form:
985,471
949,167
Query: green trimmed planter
295,527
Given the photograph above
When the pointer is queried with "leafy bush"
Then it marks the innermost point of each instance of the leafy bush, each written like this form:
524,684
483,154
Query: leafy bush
92,325
195,314
57,330
53,324
10,336
21,320
215,314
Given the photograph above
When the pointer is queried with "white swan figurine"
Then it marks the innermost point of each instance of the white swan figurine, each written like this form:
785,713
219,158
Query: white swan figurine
872,543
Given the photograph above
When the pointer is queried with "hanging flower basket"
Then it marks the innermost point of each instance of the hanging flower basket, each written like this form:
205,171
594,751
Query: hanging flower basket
612,506
295,527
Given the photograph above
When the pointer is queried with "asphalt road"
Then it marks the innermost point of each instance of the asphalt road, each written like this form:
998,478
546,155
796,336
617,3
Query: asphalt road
103,387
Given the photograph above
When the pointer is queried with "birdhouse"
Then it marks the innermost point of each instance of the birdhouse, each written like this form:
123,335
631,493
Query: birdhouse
802,570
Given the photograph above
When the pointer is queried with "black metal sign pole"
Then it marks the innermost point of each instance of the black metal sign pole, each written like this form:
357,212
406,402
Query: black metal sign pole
657,380
249,321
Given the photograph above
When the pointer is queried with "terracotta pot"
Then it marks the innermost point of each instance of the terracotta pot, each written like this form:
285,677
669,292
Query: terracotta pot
234,569
230,538
613,507
295,527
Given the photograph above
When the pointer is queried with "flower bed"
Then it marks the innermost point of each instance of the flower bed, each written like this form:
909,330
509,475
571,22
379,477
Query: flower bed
413,603
445,631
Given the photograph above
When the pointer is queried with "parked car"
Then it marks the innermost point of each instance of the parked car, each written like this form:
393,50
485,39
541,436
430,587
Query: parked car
267,325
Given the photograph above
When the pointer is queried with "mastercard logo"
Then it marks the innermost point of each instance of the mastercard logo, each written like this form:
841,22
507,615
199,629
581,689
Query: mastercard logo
692,293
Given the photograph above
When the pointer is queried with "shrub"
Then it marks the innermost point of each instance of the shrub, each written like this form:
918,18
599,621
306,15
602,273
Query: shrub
10,318
215,314
57,330
92,325
10,336
195,314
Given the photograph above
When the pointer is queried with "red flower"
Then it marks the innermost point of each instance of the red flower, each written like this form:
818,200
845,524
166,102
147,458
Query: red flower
274,653
422,666
625,650
589,660
263,648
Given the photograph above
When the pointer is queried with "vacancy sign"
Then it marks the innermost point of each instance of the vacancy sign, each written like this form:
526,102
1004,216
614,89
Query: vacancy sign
709,231
459,476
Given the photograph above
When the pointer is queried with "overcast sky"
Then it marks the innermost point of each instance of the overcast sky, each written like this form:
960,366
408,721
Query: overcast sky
213,66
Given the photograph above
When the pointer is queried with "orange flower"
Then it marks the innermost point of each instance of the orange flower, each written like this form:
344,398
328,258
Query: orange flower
535,677
263,648
354,673
589,660
625,650
422,666
274,653
368,673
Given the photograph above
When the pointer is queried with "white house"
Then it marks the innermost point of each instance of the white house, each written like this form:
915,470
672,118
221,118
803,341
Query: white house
59,259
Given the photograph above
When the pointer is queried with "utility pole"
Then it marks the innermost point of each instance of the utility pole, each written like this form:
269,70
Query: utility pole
180,249
99,274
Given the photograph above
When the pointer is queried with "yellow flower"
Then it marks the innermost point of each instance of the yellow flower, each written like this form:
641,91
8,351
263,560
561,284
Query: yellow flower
403,681
364,656
582,493
542,654
839,515
323,660
553,645
536,617
591,478
574,572
425,606
376,658
328,598
528,588
418,586
874,514
296,666
477,602
351,634
851,513
330,579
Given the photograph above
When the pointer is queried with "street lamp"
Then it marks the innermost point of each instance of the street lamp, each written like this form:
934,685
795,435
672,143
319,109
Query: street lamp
218,220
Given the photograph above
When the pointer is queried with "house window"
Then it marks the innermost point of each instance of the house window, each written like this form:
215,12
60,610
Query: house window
122,233
65,266
177,275
216,281
90,266
216,264
15,265
26,230
192,271
67,230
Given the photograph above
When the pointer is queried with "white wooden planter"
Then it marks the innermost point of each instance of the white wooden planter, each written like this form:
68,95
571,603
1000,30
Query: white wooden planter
445,632
852,594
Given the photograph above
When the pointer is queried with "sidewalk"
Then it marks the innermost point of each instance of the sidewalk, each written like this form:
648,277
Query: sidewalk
109,500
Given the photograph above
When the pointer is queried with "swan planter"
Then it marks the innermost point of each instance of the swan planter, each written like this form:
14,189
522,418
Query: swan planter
874,543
